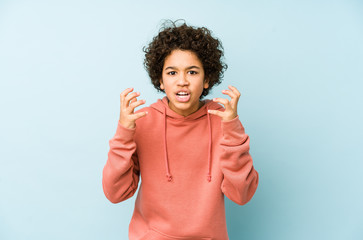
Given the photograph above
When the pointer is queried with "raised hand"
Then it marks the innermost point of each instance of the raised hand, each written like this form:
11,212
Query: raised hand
230,106
128,103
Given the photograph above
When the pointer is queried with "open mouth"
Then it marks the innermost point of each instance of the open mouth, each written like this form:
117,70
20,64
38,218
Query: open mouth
182,96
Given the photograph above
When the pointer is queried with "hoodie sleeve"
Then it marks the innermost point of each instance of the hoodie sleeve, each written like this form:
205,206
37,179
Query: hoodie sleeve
121,172
240,178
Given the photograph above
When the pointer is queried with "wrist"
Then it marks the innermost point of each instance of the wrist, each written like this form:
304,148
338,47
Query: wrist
129,125
229,118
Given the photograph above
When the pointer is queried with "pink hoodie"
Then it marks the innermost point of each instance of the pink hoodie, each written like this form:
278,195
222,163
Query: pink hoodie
187,165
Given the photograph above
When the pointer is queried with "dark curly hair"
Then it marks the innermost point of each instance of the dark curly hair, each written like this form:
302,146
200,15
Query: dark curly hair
198,40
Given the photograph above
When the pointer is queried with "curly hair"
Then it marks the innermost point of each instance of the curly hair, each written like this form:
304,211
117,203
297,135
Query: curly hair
198,40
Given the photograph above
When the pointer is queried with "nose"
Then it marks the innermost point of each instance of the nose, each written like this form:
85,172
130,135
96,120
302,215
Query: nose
182,80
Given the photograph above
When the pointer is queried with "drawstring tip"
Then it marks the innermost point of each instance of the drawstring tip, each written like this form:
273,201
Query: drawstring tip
169,177
209,178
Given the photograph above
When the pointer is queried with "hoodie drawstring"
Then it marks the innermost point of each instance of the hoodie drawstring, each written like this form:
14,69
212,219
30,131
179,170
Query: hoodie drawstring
209,174
168,175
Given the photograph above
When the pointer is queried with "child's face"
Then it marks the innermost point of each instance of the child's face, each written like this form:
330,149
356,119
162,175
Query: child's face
183,81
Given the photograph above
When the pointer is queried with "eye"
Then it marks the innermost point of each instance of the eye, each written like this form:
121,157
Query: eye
171,73
193,72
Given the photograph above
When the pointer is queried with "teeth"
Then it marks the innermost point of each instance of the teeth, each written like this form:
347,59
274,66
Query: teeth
182,93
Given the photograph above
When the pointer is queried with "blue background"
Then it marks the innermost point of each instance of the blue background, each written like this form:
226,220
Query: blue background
298,65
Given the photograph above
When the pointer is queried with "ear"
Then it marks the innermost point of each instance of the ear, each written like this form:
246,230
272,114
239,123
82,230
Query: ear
161,84
206,83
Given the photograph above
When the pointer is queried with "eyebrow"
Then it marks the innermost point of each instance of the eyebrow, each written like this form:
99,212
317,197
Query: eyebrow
172,67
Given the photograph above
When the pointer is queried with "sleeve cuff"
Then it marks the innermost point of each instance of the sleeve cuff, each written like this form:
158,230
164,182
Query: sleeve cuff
233,132
125,133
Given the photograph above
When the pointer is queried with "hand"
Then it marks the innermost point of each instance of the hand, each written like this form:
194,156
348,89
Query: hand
128,104
230,111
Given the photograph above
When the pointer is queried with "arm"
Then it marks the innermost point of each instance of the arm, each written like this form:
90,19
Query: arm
121,172
240,178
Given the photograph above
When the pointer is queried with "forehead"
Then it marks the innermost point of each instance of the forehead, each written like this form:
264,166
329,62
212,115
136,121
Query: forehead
182,58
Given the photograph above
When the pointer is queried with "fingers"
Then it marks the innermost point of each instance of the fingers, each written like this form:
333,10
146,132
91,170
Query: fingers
127,98
133,100
130,98
216,112
235,91
229,93
223,101
234,94
123,96
126,91
129,102
229,105
135,104
139,115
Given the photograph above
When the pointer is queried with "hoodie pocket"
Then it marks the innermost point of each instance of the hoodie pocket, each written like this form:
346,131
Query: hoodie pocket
154,234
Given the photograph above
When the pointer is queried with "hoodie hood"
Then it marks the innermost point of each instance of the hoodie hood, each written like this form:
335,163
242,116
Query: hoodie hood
162,106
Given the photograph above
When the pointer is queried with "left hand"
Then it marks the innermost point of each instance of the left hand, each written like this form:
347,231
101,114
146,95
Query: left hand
230,111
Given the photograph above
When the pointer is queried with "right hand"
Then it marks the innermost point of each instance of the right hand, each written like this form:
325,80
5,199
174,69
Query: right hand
129,102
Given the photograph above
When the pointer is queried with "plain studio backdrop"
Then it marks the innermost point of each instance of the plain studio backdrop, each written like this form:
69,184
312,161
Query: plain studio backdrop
298,65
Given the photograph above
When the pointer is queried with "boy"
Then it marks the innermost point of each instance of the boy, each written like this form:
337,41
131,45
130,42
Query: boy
199,146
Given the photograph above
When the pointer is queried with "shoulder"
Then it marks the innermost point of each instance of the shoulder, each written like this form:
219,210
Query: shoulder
149,110
152,116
